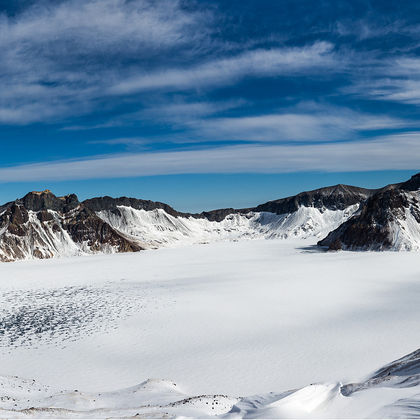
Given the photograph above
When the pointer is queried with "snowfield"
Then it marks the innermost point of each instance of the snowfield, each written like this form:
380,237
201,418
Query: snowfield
234,329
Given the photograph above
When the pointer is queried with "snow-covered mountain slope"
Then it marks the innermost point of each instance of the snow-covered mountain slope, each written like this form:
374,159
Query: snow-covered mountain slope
388,220
308,214
41,225
392,392
157,228
337,197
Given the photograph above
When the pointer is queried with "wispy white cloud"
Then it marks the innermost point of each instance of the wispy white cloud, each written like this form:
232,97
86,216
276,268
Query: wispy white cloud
177,112
182,110
59,57
394,79
102,25
384,153
307,121
258,63
366,28
126,141
320,124
64,59
399,90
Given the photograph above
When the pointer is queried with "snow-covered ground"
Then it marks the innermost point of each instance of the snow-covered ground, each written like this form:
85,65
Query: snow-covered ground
227,318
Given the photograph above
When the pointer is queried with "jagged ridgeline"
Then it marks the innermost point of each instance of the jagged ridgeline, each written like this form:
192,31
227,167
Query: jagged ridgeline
41,225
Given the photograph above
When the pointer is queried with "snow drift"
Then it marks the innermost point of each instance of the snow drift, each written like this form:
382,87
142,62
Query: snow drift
397,385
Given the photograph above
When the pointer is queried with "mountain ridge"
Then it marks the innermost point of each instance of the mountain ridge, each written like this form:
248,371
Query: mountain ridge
321,197
42,225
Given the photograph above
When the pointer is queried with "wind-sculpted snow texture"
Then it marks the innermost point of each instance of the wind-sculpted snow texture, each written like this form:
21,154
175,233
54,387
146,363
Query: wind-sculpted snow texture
392,392
54,316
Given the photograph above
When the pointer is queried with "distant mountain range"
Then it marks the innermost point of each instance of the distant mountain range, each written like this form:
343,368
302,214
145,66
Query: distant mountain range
41,225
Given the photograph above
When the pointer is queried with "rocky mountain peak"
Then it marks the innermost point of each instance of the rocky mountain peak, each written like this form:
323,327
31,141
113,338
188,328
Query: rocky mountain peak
41,192
46,200
388,219
336,197
42,225
413,184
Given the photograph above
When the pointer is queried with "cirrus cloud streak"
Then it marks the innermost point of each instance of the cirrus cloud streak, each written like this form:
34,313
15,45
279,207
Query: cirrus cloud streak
396,152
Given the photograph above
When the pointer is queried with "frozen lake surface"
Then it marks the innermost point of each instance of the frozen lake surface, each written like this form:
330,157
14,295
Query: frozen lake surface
232,318
237,318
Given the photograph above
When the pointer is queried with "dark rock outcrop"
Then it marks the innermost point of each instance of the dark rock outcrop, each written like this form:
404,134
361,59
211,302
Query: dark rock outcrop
86,227
337,197
413,184
46,200
372,227
220,214
41,225
111,204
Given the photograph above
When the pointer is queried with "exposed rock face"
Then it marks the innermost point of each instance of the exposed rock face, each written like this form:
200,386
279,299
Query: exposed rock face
220,214
111,204
337,197
413,184
41,225
388,220
308,214
46,200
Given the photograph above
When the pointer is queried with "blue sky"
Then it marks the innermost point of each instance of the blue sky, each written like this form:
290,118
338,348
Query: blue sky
206,104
